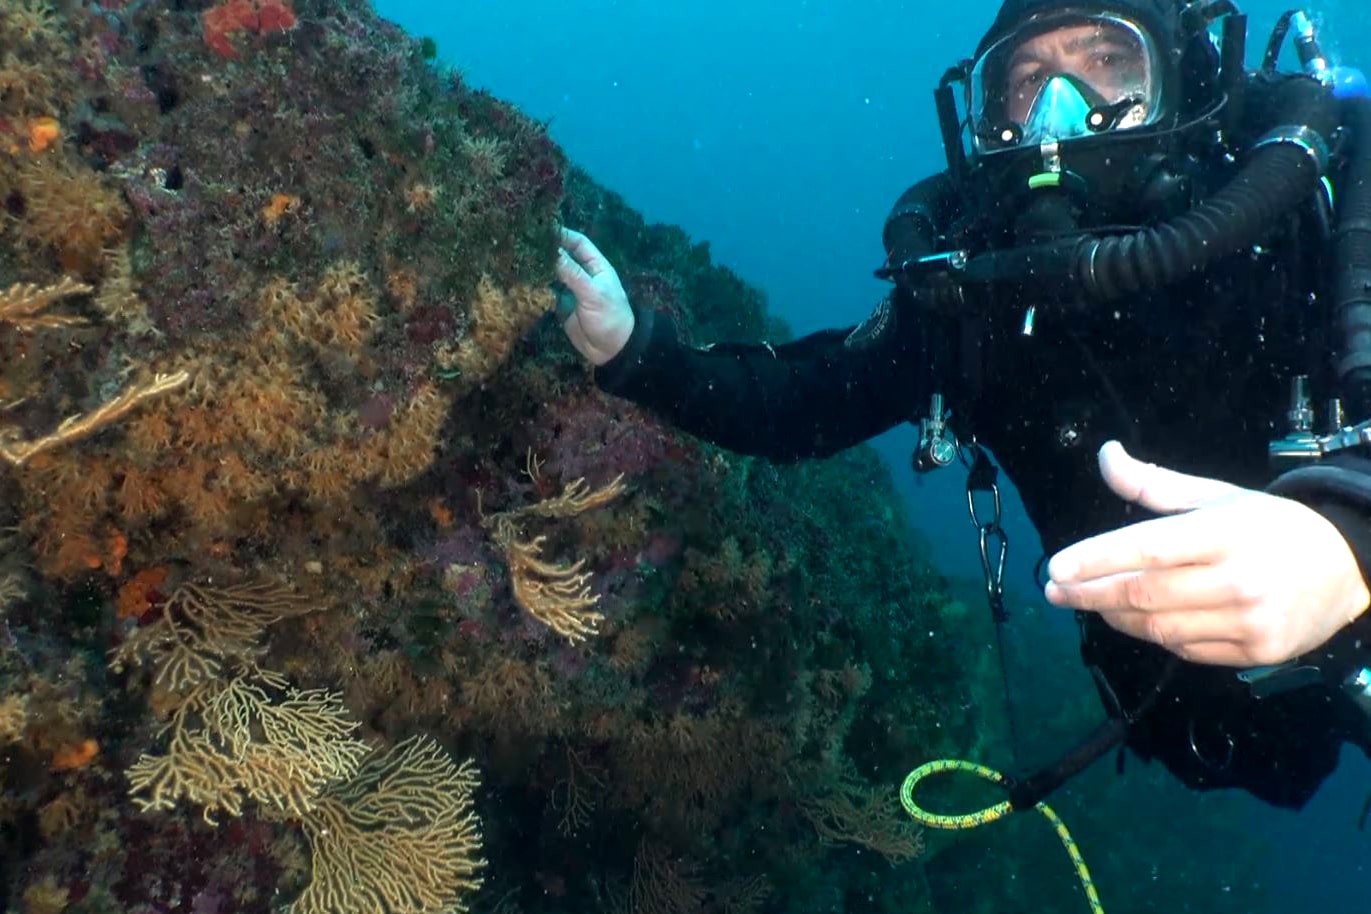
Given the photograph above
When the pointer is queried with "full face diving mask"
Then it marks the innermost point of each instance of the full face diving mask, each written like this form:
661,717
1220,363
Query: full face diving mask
1061,110
1062,76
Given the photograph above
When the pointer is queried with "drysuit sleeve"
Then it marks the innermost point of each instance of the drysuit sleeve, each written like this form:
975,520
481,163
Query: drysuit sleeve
1340,490
808,398
1345,501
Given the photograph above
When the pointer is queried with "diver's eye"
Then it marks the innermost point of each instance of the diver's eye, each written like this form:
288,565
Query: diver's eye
1107,59
1027,82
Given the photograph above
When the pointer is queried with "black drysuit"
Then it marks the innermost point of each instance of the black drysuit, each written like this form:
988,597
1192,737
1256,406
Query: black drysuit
1195,379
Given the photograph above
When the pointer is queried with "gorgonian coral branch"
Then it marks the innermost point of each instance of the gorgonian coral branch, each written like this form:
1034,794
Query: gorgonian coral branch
17,450
554,593
201,629
23,304
870,817
557,594
235,740
401,837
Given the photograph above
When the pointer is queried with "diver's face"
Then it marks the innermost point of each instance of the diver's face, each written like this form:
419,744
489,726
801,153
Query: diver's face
1099,55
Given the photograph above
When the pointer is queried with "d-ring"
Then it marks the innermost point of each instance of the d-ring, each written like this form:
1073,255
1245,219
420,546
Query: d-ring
1208,763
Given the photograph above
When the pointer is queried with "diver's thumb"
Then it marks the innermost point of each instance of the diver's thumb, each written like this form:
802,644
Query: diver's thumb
1156,488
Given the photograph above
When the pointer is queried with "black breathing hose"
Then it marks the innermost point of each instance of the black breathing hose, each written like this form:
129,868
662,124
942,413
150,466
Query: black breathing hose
1278,178
1352,251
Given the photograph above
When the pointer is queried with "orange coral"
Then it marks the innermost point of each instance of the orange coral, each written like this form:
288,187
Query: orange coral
442,515
152,431
66,548
43,133
117,551
76,756
280,206
257,17
135,597
86,487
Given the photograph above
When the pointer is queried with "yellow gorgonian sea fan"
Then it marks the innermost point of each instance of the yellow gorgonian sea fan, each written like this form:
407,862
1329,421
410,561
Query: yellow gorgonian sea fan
401,836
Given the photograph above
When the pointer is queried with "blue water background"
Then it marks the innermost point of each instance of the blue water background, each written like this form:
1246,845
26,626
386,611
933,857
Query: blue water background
781,132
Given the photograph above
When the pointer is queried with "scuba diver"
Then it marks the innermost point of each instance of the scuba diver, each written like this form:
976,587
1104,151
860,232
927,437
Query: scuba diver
1143,282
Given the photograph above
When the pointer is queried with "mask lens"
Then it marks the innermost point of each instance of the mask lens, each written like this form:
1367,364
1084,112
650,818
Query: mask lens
1106,60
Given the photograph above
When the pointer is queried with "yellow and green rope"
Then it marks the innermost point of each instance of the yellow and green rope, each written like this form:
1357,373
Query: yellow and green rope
990,814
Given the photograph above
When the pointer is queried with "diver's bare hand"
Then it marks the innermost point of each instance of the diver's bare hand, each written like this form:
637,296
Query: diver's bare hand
1231,576
602,322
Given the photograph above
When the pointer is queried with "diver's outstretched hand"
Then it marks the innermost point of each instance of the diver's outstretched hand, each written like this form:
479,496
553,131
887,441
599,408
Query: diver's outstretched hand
1232,577
602,321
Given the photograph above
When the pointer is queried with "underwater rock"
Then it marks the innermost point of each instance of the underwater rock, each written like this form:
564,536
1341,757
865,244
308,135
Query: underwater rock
289,423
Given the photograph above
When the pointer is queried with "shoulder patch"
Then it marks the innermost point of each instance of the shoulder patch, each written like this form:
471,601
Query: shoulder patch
871,328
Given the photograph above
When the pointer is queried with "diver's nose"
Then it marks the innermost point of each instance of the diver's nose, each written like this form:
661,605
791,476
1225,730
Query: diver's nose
1060,112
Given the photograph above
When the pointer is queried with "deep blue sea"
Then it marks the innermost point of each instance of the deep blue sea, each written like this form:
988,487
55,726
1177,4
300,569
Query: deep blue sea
781,132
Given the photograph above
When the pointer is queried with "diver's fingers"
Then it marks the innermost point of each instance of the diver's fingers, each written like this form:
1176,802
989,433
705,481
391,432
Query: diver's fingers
574,277
1190,636
1161,590
584,252
1172,541
1176,630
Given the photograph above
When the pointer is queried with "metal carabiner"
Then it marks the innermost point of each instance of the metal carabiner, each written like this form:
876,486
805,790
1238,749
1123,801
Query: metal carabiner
1207,762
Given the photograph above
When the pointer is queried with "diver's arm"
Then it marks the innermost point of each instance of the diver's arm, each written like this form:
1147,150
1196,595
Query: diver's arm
811,397
1339,488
